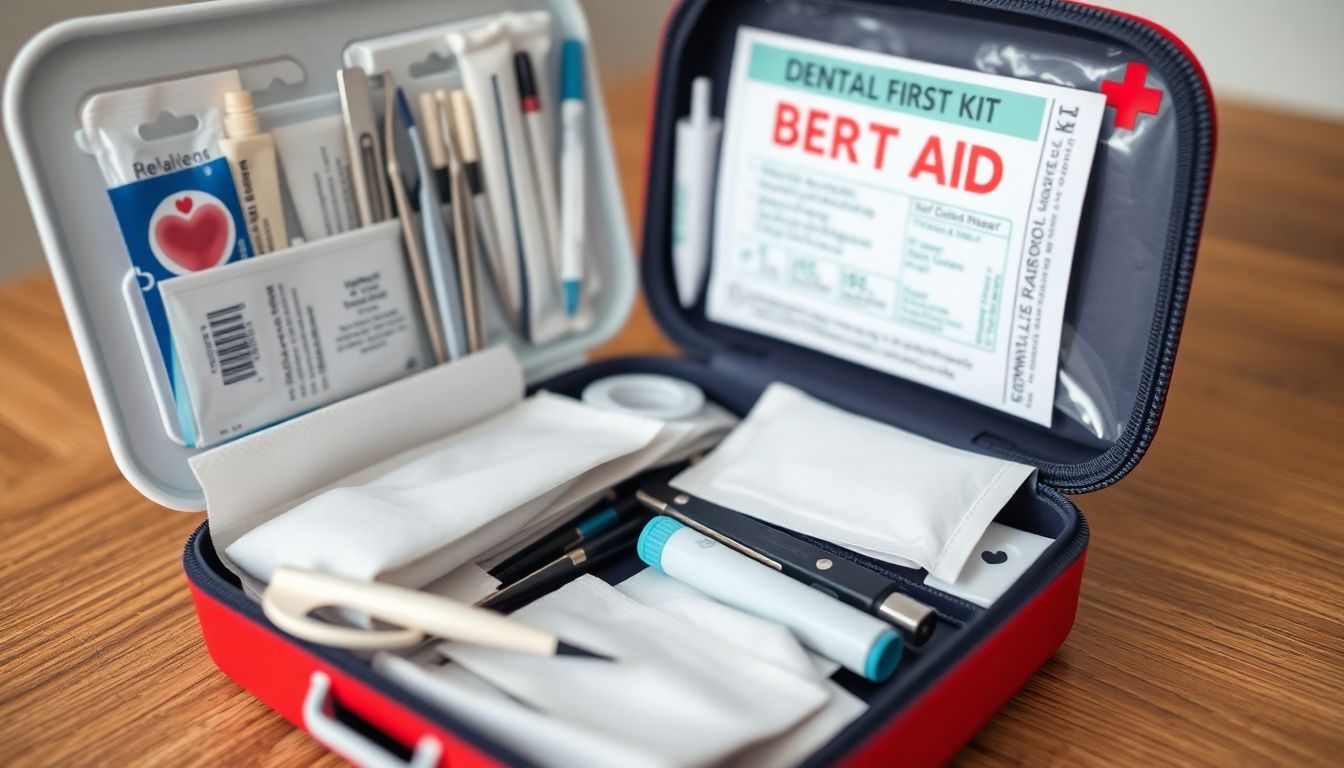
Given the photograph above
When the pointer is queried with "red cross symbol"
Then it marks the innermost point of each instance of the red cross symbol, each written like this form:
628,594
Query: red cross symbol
1131,96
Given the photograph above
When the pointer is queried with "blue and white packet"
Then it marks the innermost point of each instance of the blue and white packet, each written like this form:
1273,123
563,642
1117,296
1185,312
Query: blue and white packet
174,195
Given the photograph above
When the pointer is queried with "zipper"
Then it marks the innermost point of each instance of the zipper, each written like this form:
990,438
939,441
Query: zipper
1194,117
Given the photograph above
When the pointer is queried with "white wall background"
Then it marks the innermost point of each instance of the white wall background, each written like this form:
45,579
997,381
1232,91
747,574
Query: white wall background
1282,54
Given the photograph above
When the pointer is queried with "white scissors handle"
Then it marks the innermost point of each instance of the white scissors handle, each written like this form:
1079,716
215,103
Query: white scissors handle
293,594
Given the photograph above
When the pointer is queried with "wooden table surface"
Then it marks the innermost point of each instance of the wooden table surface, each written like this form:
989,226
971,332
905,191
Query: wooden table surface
1211,628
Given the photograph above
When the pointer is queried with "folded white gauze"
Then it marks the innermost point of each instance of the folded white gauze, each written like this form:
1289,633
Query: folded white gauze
675,442
416,516
767,641
675,696
258,477
812,468
536,736
557,741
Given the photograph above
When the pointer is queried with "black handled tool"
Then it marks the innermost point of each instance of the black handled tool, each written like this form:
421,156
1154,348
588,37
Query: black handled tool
849,582
603,518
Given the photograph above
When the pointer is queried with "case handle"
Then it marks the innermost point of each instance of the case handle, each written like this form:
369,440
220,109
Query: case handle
341,739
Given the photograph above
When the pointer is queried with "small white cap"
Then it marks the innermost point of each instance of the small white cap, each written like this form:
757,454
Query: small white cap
240,117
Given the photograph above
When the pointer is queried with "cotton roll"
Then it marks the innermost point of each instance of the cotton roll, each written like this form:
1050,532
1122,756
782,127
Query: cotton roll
646,394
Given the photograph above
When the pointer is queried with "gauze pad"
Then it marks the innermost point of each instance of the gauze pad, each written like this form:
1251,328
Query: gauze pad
535,735
257,478
814,469
767,641
675,696
418,515
559,741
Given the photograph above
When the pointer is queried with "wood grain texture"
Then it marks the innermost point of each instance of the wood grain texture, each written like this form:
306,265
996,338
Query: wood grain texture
1211,628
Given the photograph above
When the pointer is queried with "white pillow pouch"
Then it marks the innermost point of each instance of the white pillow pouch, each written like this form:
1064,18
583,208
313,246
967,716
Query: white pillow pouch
818,470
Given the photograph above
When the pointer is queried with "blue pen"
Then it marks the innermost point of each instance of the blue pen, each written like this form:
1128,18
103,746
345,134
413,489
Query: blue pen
572,168
439,250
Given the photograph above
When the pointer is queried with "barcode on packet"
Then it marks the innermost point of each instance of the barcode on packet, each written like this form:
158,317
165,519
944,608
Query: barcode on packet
233,344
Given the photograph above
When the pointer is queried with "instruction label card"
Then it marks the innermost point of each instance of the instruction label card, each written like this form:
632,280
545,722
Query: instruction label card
265,340
914,218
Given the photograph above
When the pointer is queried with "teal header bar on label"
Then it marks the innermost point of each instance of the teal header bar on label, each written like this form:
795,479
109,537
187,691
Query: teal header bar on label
975,106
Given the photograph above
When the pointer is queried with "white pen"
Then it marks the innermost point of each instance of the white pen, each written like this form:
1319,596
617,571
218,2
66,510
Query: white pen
693,192
294,594
539,139
572,166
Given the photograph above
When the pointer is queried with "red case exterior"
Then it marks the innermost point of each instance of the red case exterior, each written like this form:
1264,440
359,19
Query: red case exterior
278,671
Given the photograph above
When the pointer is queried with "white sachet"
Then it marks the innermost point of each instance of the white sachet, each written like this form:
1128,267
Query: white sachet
418,515
675,695
818,470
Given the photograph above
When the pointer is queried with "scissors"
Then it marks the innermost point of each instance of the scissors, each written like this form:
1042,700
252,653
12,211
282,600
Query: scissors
293,594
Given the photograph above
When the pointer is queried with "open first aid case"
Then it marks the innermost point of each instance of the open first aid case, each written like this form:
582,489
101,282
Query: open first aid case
1136,241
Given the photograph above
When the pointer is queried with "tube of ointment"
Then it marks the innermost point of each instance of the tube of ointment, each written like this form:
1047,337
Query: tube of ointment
486,59
251,155
317,166
693,192
859,642
269,339
174,196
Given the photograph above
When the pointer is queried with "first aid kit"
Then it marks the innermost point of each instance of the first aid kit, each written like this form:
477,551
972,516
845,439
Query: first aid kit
333,267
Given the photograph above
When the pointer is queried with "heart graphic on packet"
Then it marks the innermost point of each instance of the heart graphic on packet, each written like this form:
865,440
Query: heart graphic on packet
198,240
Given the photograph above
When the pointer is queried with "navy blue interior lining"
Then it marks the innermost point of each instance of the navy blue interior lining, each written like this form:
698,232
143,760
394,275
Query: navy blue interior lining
1034,508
